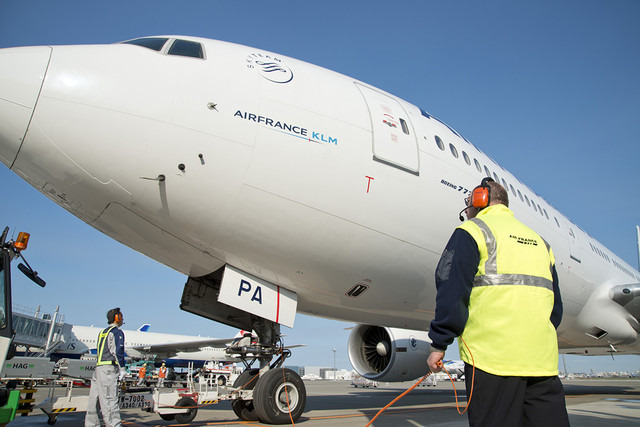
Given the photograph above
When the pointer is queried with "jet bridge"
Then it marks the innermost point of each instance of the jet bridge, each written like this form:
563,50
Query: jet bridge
35,329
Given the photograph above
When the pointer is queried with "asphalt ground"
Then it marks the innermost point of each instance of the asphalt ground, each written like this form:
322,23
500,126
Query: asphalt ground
589,402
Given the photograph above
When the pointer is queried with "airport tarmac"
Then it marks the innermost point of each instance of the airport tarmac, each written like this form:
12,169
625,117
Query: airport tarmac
589,402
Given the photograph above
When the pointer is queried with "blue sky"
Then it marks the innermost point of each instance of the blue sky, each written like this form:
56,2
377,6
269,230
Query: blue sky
549,89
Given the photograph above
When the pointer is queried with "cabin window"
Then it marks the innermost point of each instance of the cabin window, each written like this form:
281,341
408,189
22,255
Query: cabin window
557,223
513,190
453,150
153,43
439,143
477,163
527,199
186,48
520,195
405,127
487,171
466,158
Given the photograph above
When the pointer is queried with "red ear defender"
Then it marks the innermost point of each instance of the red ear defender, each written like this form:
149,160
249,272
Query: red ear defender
480,197
118,317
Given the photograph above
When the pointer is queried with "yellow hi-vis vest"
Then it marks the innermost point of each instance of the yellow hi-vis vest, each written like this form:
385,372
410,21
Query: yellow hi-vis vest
509,331
105,358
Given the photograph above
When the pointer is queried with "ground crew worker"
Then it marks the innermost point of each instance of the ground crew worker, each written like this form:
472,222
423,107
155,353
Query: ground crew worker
162,373
141,374
497,289
110,367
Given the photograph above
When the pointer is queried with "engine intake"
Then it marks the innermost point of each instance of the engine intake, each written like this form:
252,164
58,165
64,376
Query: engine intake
389,354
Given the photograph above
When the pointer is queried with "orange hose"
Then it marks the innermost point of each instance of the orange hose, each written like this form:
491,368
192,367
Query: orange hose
398,398
425,377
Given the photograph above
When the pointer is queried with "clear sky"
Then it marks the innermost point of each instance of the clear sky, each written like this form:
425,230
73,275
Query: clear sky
549,89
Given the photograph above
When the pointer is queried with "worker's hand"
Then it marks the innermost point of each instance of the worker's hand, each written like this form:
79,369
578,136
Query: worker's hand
122,374
435,360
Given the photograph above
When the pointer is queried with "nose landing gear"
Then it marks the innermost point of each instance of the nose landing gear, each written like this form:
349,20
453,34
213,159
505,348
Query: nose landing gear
279,395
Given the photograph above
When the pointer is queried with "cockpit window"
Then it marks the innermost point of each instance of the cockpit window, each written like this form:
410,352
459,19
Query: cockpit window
153,43
186,48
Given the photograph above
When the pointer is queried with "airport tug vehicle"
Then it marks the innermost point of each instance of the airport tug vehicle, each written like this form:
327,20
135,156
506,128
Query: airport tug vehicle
210,386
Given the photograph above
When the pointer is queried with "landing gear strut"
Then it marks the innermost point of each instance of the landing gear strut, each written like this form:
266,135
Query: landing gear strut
271,394
279,395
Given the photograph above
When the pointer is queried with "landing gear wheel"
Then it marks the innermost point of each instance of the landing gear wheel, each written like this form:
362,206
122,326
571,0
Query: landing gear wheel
51,419
186,417
244,408
279,397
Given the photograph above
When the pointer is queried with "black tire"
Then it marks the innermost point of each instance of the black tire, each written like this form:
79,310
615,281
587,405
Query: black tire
279,397
187,417
244,408
222,381
51,419
168,417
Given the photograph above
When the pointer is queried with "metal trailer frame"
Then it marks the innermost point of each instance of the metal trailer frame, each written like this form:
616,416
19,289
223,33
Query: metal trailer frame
181,404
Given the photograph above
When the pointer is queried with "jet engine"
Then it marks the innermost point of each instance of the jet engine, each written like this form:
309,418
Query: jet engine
389,354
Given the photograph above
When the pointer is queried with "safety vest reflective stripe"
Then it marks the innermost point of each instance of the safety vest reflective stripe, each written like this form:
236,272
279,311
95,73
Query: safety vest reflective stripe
491,266
512,279
491,276
102,341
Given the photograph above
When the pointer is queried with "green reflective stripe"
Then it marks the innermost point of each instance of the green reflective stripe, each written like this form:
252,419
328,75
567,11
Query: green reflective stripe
102,340
491,265
512,279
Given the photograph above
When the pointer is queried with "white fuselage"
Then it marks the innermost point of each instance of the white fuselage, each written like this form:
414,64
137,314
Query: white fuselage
290,172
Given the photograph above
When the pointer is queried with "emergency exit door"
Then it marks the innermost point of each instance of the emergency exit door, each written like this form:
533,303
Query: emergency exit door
394,140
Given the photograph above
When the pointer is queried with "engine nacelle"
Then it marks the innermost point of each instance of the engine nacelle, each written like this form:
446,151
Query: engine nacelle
389,354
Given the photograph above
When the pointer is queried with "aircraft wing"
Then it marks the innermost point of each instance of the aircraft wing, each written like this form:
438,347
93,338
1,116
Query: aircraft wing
170,349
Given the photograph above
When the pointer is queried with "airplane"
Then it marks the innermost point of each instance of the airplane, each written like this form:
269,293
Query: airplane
277,186
175,350
454,367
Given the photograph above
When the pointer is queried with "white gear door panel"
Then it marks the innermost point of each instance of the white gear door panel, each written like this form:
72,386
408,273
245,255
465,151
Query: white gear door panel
257,296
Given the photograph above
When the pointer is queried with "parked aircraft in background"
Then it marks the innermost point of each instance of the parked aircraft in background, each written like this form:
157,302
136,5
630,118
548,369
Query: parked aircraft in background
278,186
175,350
454,367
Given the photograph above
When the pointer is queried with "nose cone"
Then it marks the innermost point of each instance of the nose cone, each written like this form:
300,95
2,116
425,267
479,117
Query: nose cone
22,72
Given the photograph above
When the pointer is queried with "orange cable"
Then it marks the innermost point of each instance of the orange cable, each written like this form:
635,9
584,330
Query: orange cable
284,379
398,398
425,377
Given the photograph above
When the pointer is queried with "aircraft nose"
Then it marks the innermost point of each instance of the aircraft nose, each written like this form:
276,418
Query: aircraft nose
22,72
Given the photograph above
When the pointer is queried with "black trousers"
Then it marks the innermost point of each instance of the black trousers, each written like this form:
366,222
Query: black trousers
515,401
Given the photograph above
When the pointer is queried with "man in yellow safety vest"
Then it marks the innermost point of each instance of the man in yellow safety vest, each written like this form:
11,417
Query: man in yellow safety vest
497,289
110,367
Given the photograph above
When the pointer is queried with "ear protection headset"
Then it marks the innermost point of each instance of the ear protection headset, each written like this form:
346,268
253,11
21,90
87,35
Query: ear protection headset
118,315
481,195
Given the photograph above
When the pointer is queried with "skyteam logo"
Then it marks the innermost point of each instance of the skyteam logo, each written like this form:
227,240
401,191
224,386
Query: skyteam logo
270,67
413,342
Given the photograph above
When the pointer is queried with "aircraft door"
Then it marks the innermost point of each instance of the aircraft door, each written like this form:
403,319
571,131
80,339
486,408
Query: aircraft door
394,140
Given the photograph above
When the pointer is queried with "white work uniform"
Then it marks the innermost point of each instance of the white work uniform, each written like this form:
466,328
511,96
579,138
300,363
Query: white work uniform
104,388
